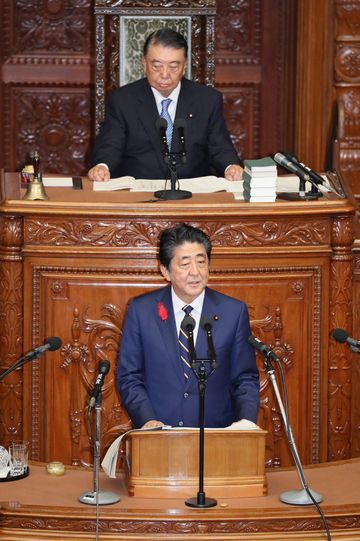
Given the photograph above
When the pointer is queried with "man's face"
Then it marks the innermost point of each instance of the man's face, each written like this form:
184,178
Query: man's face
189,271
164,67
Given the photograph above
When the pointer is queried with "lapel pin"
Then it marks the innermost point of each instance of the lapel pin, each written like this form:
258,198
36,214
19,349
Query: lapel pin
190,115
216,318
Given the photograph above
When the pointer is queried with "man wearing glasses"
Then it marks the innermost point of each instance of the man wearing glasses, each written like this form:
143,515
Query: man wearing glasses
129,141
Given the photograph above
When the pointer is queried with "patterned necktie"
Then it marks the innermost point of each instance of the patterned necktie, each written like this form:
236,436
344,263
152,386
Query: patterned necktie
184,344
165,114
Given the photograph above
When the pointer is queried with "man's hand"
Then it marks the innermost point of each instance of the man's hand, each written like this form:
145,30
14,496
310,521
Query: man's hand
152,424
234,172
99,172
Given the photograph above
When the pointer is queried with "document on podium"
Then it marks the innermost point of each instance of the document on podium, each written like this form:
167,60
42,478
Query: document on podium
208,184
110,459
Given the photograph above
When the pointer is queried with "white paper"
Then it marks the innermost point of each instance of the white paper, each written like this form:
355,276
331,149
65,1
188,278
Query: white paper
58,182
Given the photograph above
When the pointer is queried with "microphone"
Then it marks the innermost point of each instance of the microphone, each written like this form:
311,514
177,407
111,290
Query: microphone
180,125
290,166
104,367
52,344
342,336
161,124
207,326
315,177
188,323
263,348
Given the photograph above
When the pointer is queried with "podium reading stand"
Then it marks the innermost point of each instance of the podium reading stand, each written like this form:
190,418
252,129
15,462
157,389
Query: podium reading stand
164,464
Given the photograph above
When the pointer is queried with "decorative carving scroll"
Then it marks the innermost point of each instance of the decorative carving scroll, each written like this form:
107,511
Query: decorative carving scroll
98,232
339,415
11,327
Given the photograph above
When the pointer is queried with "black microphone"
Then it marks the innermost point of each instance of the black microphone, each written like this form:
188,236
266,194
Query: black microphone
290,166
315,176
161,124
263,348
51,344
180,125
206,324
104,367
342,336
188,323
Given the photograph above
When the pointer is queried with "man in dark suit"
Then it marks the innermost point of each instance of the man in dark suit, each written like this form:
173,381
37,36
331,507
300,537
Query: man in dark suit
129,142
155,381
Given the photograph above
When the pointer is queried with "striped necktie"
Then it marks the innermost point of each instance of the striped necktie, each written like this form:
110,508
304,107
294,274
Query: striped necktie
165,114
184,344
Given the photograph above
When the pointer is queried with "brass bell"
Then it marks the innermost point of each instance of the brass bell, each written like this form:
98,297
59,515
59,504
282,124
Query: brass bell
35,187
35,190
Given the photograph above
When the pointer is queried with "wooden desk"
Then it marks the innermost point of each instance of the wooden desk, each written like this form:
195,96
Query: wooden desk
44,507
69,266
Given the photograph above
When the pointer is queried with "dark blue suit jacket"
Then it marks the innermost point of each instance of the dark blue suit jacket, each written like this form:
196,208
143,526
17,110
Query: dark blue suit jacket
129,142
150,375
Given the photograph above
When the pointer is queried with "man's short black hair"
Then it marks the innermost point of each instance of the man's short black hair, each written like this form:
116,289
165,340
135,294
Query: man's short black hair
175,236
168,38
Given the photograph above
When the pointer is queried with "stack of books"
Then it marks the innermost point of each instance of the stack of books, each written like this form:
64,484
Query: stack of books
259,180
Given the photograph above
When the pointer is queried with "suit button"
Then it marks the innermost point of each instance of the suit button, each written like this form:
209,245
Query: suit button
181,423
186,395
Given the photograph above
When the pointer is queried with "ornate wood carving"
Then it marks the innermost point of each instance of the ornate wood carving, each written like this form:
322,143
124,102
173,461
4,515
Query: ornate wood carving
54,122
11,327
340,372
238,32
51,26
99,232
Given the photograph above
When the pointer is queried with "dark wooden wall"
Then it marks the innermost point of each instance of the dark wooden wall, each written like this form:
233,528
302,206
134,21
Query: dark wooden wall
277,83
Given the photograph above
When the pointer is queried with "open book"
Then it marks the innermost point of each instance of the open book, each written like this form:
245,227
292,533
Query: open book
110,459
209,184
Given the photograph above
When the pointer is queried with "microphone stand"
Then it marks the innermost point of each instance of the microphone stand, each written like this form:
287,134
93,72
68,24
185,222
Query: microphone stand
98,497
173,193
20,362
201,500
305,496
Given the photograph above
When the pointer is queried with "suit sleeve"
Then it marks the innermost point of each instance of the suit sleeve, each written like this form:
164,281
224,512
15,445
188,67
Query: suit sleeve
221,149
130,372
111,140
245,376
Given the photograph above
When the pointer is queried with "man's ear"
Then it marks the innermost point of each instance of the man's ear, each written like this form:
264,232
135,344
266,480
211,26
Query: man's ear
143,61
165,273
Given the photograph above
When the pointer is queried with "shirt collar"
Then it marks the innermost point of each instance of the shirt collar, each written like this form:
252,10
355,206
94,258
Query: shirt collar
178,304
174,96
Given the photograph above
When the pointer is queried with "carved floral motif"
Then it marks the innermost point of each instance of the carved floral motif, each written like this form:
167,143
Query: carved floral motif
56,122
145,233
52,26
238,30
155,3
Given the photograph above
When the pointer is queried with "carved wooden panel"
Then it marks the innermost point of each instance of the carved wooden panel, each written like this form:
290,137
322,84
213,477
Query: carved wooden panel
86,304
53,121
347,86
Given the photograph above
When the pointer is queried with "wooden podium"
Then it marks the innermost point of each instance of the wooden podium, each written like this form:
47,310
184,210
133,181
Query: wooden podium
163,464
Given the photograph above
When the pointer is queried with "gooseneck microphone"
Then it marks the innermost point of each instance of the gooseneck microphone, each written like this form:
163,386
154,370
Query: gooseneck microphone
180,125
263,348
340,335
104,367
161,125
51,344
188,323
315,177
206,324
290,166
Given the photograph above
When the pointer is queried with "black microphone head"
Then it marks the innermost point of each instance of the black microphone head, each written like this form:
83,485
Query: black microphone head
340,335
161,123
54,343
179,123
206,322
104,366
188,323
253,341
